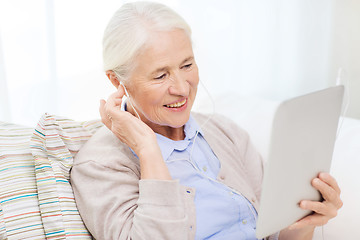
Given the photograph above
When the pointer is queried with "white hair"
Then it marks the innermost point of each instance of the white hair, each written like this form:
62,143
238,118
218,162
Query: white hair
128,31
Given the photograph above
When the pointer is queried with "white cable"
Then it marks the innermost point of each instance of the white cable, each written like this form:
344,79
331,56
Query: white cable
346,97
127,94
207,120
130,100
343,112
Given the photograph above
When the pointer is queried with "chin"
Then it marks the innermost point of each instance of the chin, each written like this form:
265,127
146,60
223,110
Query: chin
177,124
178,121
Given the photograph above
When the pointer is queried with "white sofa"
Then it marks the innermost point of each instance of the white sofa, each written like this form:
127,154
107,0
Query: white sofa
31,192
255,115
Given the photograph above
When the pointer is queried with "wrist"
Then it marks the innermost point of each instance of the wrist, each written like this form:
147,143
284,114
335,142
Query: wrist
305,233
149,148
152,164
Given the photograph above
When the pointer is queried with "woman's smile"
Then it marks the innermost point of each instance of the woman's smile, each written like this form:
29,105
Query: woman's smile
177,105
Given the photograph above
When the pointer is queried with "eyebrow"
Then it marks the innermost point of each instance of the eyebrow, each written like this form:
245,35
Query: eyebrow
187,59
164,68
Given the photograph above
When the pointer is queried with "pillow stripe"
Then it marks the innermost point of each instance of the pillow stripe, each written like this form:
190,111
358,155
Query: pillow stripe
2,225
54,143
19,209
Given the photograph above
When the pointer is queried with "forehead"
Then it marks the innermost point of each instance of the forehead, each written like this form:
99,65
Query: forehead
165,48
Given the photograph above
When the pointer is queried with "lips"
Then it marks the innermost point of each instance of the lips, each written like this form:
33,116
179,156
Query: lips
176,104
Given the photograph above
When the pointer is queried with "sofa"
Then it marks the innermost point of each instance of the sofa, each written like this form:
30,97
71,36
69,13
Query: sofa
36,199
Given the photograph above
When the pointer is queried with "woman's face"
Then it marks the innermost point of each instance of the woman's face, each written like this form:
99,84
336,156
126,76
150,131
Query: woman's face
164,82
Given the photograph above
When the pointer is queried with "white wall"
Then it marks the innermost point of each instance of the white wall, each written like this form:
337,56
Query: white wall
265,48
4,104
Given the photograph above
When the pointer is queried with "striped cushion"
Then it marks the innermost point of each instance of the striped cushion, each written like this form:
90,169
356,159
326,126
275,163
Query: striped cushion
19,207
55,142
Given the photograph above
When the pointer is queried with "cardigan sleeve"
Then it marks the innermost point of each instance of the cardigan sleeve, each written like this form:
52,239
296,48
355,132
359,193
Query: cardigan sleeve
115,204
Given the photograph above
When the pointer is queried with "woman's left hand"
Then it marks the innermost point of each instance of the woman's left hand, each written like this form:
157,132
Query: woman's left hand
325,210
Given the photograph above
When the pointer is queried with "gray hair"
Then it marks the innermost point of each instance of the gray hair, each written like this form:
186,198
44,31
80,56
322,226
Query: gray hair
128,31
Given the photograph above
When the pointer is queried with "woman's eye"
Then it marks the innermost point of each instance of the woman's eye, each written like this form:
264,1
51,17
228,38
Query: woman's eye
161,77
187,65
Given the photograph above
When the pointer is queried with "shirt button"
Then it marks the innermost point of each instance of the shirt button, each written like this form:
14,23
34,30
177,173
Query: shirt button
244,221
222,177
204,168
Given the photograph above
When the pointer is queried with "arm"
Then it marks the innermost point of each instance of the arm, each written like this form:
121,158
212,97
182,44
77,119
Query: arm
114,204
113,200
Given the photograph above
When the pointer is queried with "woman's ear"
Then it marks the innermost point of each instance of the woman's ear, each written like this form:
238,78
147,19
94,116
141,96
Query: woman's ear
113,78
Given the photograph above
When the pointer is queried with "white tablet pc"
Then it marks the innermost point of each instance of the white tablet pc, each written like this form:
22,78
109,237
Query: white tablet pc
301,145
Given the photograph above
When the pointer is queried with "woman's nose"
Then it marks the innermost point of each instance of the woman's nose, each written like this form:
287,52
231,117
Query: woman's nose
179,85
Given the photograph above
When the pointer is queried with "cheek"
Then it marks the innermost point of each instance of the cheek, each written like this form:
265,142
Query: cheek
152,97
193,78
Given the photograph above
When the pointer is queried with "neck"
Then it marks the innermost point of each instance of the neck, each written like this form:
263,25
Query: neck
175,134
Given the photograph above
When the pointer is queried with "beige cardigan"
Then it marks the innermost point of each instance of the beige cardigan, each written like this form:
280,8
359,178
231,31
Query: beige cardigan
115,204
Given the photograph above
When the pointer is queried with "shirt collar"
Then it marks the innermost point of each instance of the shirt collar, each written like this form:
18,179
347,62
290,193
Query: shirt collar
167,146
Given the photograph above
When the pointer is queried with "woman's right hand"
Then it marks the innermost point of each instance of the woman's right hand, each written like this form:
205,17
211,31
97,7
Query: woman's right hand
128,128
136,134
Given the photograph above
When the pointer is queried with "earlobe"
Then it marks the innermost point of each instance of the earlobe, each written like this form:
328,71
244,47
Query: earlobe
113,78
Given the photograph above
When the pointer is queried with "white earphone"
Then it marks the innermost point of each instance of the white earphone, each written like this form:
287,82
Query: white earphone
130,99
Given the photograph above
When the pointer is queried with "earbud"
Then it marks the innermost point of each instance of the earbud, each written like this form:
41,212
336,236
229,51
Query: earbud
130,100
126,92
339,75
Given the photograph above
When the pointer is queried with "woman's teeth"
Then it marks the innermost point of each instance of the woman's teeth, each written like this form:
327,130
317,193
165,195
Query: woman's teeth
176,105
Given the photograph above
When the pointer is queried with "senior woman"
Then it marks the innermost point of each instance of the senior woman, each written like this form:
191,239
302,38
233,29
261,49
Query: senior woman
144,176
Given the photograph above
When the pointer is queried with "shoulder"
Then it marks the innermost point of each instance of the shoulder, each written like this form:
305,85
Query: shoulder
105,149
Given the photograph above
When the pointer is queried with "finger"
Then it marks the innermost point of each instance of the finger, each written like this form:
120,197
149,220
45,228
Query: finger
112,101
102,108
322,208
119,94
117,102
113,95
327,192
104,118
317,207
326,177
